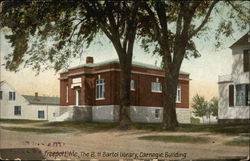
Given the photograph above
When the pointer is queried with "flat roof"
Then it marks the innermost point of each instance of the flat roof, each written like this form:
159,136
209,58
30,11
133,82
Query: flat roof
134,63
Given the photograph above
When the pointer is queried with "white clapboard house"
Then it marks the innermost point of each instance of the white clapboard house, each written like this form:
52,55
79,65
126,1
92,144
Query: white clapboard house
13,105
234,90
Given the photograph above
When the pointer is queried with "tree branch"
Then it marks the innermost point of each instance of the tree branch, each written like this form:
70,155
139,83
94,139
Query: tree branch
179,22
153,18
75,27
101,23
205,19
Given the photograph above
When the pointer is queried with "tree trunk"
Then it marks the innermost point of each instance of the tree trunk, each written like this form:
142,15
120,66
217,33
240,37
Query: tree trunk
125,78
169,112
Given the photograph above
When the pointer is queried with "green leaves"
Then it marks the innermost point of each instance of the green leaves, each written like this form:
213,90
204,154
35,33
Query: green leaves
199,106
214,106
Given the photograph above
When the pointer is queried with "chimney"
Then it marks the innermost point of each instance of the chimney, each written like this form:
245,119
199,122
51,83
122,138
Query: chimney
36,96
89,60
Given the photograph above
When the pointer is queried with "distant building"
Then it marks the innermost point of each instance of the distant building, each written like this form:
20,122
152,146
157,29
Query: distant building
234,90
91,92
16,106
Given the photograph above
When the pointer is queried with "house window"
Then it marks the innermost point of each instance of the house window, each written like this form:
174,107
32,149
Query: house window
12,95
156,87
41,114
231,95
100,88
1,95
178,94
157,113
132,85
246,61
242,91
17,110
67,94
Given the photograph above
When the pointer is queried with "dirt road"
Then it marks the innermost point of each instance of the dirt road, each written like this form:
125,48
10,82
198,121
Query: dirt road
115,144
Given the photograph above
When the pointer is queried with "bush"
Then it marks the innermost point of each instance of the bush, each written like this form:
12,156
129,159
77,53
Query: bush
195,120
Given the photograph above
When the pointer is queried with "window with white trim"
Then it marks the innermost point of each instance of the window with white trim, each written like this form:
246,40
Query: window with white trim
178,94
100,89
41,114
157,113
67,93
12,95
242,91
17,110
132,85
156,87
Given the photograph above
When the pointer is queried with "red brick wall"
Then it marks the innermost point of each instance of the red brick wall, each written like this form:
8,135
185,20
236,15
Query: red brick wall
142,96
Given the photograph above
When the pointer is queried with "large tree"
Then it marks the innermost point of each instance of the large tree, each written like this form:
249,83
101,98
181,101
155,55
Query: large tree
48,34
168,28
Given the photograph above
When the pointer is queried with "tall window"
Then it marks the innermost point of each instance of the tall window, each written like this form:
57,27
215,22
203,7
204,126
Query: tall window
178,94
12,95
132,85
231,95
246,61
1,95
100,88
157,113
41,114
242,91
67,93
156,87
17,110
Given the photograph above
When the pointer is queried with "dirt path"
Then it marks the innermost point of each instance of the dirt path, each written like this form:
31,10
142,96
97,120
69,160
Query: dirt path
112,143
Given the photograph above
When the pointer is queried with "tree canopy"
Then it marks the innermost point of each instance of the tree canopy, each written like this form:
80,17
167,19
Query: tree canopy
200,106
214,106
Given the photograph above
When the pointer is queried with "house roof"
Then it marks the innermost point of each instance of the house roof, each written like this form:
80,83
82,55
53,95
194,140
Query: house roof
243,41
134,63
42,100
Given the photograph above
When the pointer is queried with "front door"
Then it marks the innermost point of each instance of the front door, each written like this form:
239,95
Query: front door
78,96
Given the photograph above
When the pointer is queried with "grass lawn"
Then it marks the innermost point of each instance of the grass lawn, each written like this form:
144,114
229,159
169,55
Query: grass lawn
175,139
237,142
36,130
230,129
19,121
80,125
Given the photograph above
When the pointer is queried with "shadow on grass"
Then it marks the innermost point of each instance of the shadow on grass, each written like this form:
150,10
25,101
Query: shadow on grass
237,142
37,130
175,139
19,121
230,129
80,125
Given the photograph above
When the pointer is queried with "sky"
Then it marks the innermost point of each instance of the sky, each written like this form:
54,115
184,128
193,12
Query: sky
204,71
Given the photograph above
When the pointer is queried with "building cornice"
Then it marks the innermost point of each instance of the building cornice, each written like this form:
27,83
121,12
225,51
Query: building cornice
118,70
